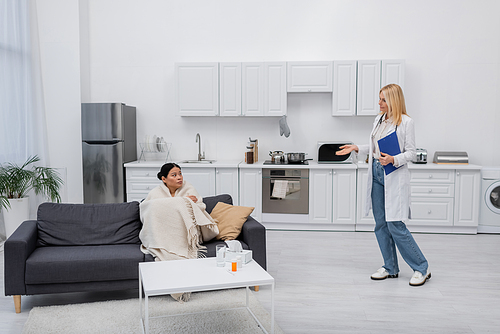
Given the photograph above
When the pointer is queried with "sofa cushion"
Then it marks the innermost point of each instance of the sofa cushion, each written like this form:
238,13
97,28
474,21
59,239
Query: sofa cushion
62,224
230,219
68,264
212,201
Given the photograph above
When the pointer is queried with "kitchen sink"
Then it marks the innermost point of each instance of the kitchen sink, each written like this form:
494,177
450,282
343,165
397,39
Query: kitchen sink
197,161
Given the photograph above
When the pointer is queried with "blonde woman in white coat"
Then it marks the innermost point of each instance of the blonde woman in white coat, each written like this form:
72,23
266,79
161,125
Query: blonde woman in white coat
389,195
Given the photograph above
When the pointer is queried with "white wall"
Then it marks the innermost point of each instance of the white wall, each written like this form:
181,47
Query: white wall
451,48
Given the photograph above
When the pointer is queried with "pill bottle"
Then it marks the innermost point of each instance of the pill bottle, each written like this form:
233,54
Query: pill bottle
234,265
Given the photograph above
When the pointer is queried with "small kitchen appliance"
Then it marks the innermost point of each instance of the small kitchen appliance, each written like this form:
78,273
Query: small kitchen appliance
444,157
327,153
421,157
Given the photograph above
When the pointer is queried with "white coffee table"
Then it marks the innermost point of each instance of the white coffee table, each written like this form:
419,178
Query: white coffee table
166,277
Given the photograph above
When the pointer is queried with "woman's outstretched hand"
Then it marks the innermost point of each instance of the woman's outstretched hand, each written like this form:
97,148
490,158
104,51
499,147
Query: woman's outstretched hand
386,159
346,149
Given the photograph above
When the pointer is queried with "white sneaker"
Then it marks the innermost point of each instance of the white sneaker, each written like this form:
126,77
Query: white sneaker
419,279
381,274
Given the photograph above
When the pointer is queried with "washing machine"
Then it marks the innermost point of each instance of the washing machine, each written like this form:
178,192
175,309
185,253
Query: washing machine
489,210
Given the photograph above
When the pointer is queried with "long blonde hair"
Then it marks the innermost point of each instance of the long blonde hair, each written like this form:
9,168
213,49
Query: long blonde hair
395,100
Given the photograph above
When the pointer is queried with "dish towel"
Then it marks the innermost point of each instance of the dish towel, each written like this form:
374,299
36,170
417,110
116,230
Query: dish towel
280,188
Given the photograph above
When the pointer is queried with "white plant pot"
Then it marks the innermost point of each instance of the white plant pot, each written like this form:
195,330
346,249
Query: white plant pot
18,212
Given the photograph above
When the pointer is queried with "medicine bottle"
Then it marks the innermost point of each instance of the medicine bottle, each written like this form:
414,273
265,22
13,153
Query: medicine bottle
234,265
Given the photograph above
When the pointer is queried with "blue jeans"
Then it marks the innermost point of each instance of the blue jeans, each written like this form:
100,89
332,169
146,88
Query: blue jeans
392,234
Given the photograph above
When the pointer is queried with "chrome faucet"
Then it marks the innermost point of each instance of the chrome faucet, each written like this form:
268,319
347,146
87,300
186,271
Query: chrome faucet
198,140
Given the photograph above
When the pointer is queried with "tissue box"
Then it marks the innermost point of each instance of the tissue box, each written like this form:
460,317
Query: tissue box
246,256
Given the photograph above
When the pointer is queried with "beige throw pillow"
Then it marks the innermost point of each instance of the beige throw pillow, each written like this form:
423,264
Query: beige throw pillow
230,219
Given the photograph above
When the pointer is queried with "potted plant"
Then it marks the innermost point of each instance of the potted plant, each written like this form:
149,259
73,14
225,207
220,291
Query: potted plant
15,183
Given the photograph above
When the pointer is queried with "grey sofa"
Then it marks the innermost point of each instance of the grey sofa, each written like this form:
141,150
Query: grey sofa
91,247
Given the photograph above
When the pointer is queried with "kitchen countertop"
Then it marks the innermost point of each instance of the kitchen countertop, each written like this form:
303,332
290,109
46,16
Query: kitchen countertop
311,165
431,165
158,164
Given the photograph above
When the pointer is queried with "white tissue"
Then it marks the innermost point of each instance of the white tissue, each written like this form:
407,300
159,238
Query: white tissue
234,246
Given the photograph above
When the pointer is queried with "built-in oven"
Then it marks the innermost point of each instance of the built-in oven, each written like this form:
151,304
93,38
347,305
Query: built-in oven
285,190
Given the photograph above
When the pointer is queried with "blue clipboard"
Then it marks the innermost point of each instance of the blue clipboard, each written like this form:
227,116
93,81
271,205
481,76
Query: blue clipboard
389,145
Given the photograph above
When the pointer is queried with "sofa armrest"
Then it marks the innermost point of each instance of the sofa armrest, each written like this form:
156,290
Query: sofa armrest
253,234
17,248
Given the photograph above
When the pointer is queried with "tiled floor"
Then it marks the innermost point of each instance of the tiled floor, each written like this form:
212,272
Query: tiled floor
323,286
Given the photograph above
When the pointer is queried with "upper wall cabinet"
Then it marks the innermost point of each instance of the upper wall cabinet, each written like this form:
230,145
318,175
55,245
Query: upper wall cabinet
344,88
275,98
368,87
373,75
393,71
253,89
197,89
230,89
309,76
264,89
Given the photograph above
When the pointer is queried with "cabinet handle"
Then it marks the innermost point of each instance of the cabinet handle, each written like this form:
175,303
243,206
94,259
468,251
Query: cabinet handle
217,172
458,173
330,173
429,212
147,174
430,190
334,173
260,172
430,176
309,90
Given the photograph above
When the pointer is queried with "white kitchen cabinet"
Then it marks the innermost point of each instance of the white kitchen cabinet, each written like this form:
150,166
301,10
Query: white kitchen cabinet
393,71
140,181
332,196
264,89
467,192
368,87
197,89
230,89
252,89
430,210
275,96
309,76
344,88
320,195
251,190
226,182
363,223
432,197
344,196
202,179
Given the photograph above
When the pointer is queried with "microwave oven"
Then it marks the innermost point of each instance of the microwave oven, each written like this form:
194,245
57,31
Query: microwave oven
327,153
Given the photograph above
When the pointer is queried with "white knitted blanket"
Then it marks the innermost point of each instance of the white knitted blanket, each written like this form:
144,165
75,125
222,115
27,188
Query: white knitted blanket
174,227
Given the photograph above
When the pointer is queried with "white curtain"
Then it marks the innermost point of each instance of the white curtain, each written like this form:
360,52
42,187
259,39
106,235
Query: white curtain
22,114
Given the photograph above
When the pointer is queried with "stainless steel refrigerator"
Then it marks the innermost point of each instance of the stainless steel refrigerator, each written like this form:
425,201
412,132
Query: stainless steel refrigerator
108,141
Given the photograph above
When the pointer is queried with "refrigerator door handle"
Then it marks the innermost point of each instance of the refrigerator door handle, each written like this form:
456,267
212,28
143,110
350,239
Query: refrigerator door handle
103,142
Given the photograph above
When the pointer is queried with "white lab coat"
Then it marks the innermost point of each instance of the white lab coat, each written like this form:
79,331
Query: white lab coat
397,184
